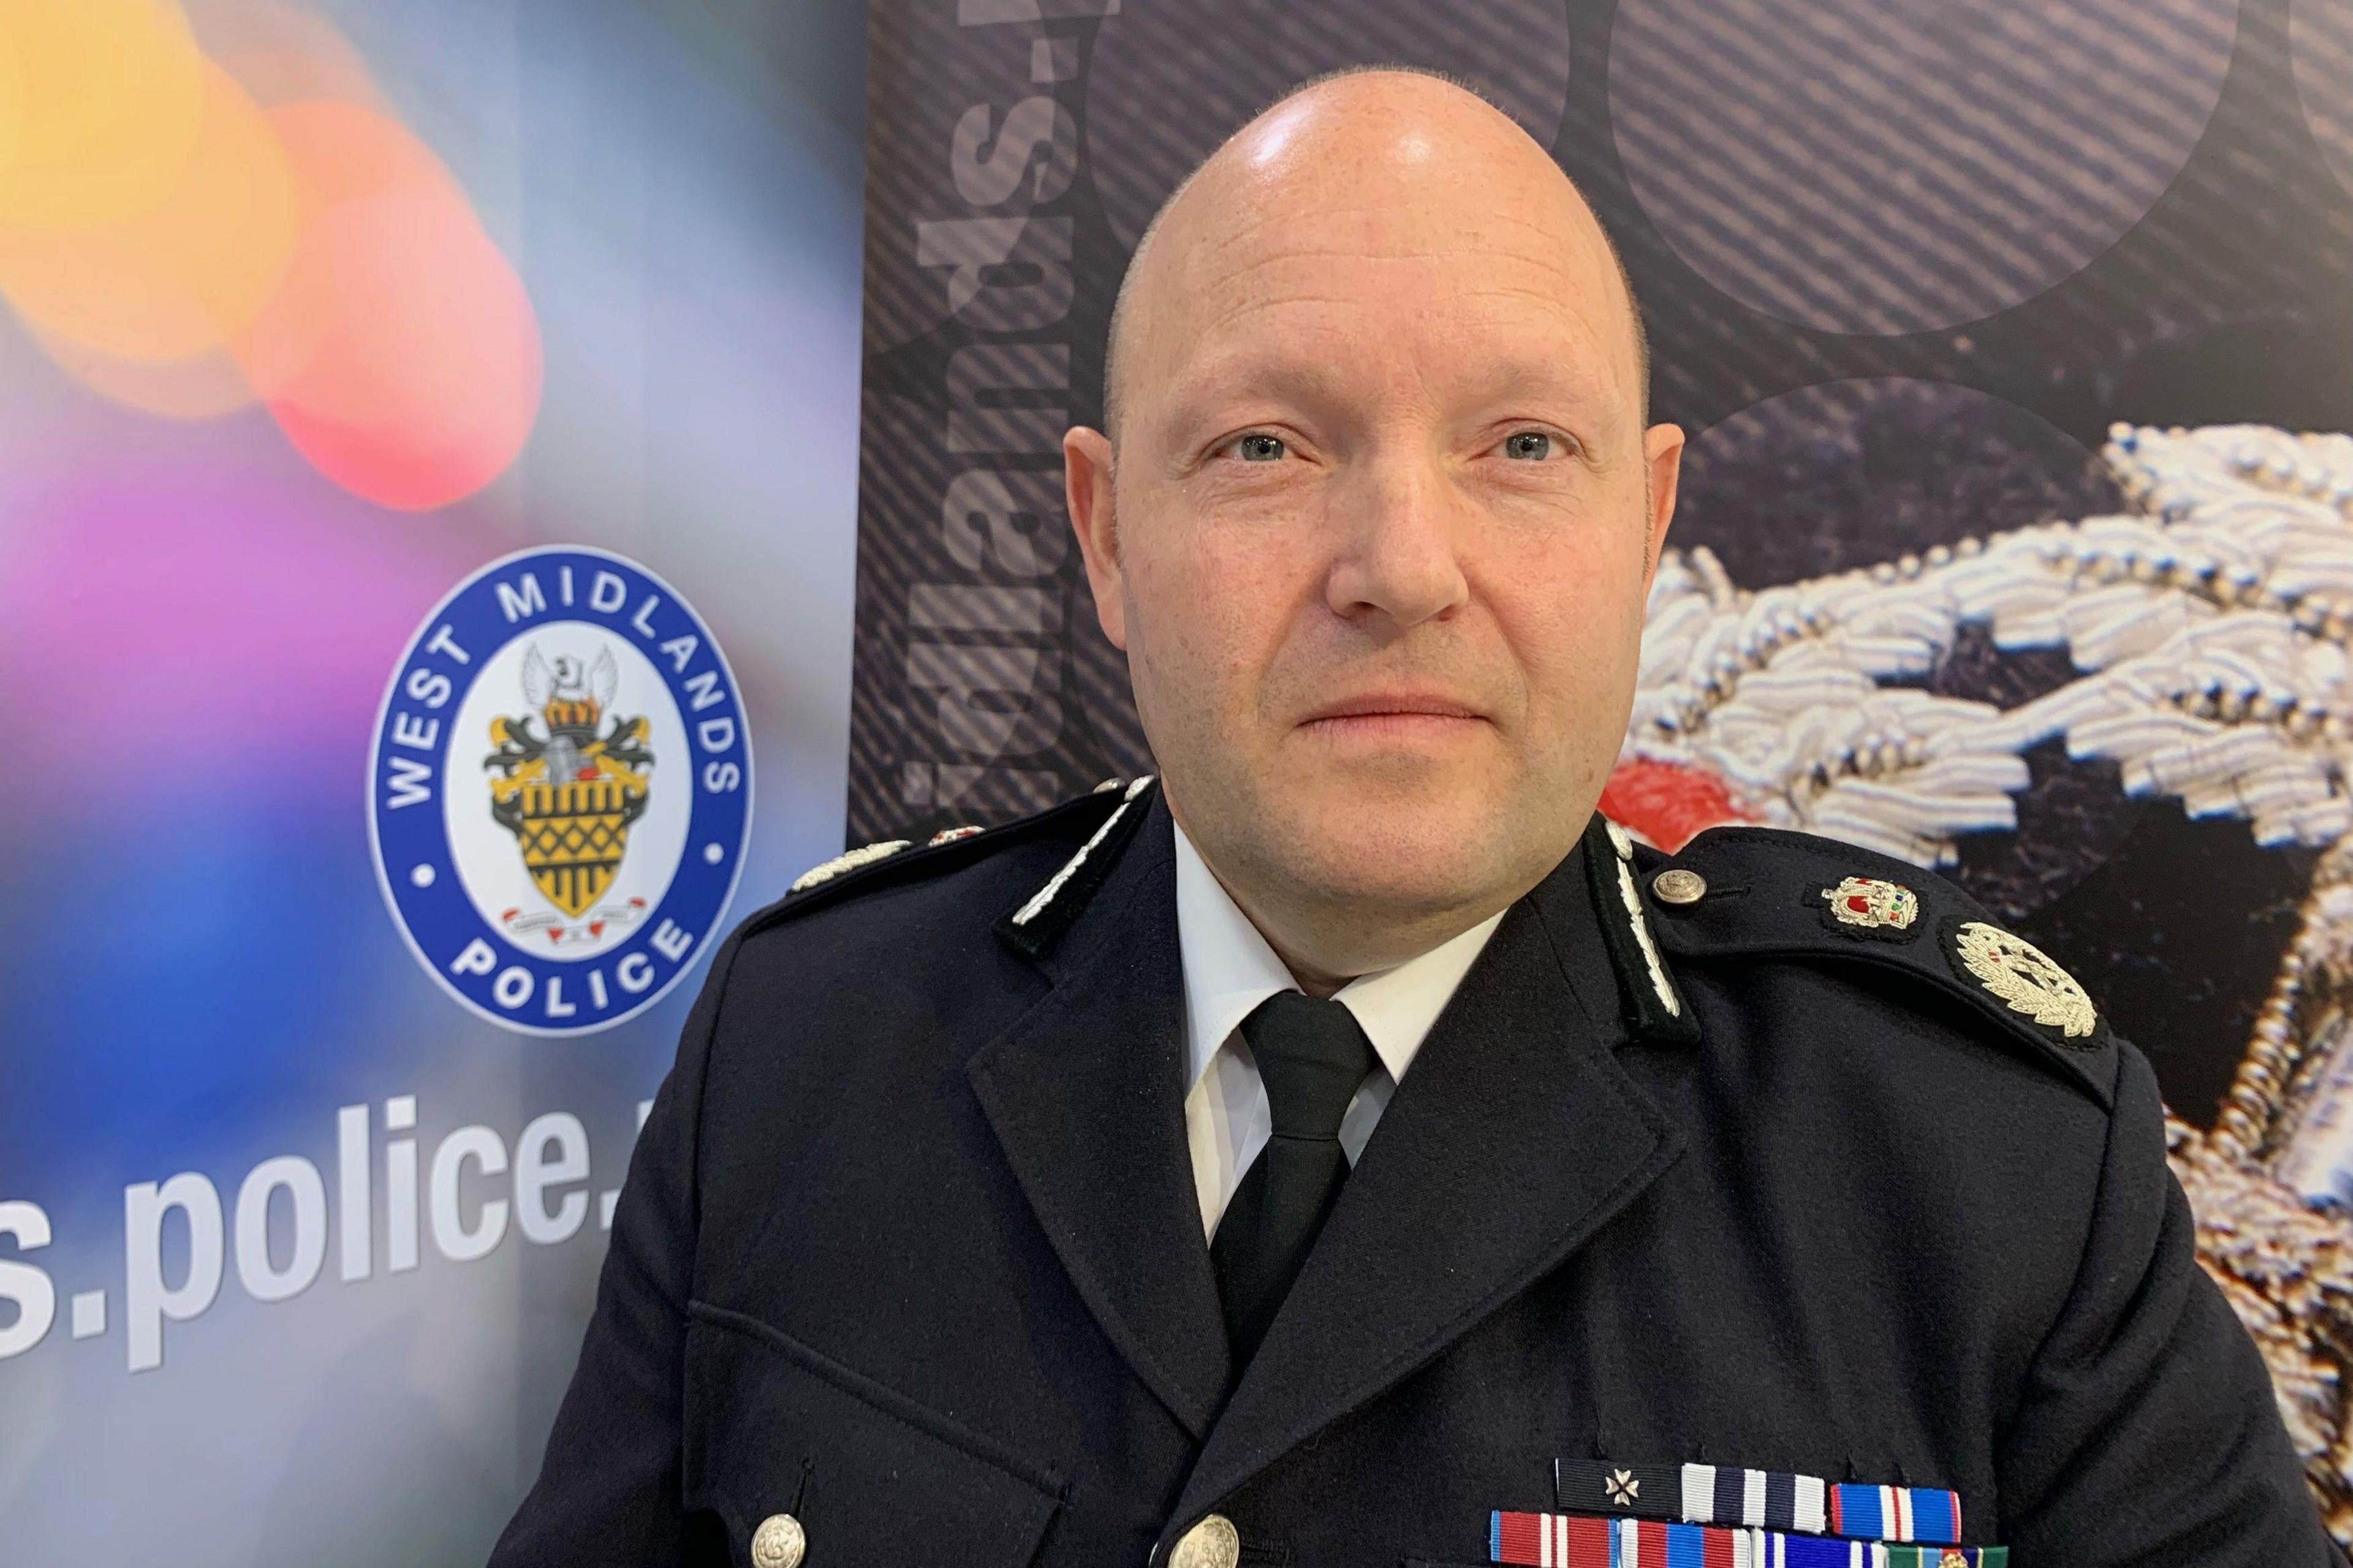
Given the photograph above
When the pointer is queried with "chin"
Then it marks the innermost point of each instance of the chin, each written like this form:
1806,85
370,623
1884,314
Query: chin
1408,854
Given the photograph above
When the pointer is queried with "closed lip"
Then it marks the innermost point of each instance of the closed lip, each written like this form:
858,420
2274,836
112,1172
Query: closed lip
1394,705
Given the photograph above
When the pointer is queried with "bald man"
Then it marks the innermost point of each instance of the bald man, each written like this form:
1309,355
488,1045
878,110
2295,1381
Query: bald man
1346,1147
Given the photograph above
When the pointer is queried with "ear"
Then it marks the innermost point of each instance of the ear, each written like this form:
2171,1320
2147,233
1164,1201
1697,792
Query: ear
1087,487
1662,462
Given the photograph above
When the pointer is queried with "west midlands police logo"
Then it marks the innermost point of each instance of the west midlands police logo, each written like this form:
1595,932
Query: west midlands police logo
560,790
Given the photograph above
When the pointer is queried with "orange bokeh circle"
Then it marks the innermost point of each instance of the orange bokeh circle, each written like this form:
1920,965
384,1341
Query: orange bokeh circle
107,97
174,244
202,386
182,273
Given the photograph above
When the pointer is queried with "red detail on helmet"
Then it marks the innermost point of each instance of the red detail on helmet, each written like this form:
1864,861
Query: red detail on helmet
1667,803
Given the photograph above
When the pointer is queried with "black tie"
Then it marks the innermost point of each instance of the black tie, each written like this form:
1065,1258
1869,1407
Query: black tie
1313,1056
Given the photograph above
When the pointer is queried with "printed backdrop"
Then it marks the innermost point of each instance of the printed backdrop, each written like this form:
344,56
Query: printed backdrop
2016,533
312,312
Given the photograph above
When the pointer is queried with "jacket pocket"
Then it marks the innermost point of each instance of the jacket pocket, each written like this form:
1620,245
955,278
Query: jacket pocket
773,1427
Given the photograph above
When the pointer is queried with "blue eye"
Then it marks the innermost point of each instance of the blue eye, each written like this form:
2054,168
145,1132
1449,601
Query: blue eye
1261,448
1531,446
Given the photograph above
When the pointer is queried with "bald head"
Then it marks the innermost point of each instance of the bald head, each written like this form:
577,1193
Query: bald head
1368,138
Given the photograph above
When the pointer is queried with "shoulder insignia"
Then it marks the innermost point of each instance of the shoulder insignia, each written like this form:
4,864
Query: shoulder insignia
1038,923
2026,980
871,864
865,855
1767,893
1870,906
1654,1009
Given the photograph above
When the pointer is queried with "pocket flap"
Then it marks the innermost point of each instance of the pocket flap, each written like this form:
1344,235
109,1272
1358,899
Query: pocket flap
774,1427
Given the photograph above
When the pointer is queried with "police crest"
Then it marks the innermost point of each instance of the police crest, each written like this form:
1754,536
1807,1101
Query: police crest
570,777
2024,978
561,881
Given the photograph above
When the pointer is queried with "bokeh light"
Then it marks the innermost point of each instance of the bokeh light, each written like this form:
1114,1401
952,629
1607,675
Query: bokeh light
400,355
282,53
187,233
182,273
423,384
12,106
108,96
203,386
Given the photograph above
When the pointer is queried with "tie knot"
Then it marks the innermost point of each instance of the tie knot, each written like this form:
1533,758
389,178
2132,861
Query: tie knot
1312,1055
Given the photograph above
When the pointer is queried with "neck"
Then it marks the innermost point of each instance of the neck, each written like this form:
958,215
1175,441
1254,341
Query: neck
1314,982
1325,949
1326,942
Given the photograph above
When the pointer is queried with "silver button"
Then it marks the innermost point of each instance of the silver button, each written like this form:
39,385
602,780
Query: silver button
778,1543
1212,1543
1677,886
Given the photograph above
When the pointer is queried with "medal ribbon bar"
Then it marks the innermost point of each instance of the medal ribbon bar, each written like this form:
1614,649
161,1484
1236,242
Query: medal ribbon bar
1760,1499
1581,1540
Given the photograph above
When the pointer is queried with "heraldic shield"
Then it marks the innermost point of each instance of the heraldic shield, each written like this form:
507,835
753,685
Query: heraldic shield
570,781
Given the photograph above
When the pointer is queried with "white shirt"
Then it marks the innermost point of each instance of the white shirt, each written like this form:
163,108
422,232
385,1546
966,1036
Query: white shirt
1229,970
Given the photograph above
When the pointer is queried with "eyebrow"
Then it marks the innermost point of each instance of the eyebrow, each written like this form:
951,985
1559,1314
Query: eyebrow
1565,386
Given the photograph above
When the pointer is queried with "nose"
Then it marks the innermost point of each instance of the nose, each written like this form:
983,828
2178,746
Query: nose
1397,549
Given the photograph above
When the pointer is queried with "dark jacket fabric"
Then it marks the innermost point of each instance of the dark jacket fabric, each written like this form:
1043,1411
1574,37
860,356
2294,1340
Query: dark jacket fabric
910,1245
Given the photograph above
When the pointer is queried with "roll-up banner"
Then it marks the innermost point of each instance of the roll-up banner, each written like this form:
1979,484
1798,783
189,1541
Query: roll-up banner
426,509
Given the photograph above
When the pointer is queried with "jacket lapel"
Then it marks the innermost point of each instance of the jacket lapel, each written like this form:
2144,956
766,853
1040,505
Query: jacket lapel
1086,1095
1515,1137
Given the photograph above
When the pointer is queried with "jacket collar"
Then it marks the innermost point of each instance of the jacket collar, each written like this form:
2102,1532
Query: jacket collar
1086,1096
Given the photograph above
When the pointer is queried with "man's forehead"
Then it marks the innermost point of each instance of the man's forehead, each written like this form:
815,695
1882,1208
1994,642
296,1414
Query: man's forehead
1420,179
1399,242
1362,277
1501,300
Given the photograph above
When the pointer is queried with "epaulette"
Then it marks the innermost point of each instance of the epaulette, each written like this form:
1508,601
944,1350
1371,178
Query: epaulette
1759,892
894,860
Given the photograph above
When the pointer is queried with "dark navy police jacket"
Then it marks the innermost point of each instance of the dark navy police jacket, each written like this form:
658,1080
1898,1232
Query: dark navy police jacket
910,1246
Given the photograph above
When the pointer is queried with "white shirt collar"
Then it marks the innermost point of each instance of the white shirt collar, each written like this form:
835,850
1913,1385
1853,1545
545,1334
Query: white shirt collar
1229,970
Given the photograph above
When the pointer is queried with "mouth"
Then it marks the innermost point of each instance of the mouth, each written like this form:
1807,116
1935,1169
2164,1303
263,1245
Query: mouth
1398,715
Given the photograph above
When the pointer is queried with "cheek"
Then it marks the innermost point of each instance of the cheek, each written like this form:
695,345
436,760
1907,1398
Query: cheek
1211,605
1572,608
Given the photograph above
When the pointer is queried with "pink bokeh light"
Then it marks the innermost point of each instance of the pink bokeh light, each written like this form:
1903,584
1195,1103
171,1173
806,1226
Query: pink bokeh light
195,624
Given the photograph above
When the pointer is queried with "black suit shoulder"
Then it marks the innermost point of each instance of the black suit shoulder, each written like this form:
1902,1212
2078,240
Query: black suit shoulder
877,914
1756,898
1901,1057
855,1003
1044,840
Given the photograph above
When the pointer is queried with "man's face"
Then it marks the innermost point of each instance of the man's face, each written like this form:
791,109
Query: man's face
1382,529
